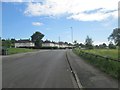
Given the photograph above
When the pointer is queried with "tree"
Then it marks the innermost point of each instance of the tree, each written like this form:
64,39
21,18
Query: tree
96,46
111,46
13,42
6,43
88,43
115,36
76,44
102,46
81,45
66,43
37,39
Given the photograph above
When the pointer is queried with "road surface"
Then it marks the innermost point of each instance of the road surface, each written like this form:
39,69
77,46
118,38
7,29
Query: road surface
52,69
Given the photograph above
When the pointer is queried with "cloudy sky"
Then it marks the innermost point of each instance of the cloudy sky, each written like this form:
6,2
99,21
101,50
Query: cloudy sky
95,18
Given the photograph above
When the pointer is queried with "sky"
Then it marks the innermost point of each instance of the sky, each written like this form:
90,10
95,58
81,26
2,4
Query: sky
54,18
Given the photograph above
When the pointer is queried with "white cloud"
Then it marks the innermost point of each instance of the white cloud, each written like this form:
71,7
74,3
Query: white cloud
11,0
17,0
89,17
37,23
100,42
82,10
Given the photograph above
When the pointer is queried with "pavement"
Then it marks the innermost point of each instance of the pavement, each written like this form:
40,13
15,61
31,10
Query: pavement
90,76
52,69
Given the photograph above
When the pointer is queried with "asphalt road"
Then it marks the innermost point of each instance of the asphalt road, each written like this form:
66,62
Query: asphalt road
52,69
48,69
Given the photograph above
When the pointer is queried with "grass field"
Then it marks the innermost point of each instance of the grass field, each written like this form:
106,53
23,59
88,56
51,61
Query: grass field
108,66
112,53
18,50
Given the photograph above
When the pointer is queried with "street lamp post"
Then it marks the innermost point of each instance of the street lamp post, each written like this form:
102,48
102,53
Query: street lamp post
71,34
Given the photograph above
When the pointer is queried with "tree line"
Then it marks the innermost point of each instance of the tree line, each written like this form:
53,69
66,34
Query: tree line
37,39
114,36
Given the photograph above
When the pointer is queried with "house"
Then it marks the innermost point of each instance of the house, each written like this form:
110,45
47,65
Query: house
56,44
48,43
25,43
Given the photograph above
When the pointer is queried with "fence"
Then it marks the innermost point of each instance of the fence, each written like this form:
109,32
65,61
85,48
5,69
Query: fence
104,63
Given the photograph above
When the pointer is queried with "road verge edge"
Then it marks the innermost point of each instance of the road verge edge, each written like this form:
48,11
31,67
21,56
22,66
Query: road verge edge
74,74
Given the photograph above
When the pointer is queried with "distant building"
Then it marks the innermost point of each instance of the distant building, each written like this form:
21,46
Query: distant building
56,44
24,43
48,43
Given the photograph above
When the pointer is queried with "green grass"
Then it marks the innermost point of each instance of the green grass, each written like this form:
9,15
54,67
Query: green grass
18,50
112,53
108,66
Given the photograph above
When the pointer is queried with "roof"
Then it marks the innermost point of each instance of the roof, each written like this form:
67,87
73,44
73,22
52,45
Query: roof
47,41
23,41
60,43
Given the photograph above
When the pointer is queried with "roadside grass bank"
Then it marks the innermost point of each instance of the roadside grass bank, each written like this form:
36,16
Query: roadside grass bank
110,53
101,59
18,50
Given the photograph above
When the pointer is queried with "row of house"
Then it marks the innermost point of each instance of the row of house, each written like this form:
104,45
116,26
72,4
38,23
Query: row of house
24,43
47,43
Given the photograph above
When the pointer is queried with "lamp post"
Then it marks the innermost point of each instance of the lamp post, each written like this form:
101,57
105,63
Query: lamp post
71,34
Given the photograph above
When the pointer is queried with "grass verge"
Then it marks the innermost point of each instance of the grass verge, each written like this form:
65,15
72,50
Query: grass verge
108,66
18,50
111,53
